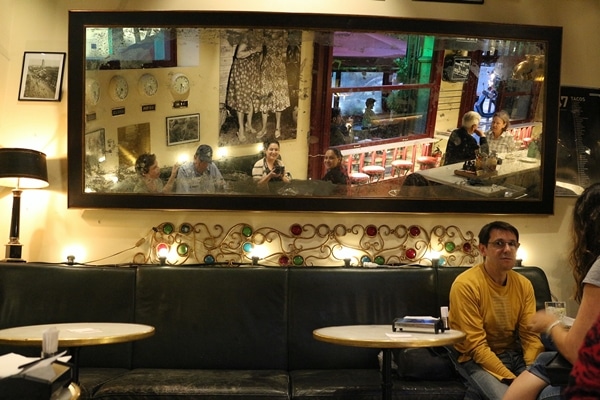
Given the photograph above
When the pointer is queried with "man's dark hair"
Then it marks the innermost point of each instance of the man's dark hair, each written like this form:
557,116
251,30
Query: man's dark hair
484,233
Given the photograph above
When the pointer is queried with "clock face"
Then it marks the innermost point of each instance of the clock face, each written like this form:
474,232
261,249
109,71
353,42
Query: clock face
119,89
180,84
148,85
92,92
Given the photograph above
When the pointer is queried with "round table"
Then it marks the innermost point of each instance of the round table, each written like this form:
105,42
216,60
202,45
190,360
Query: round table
382,337
77,334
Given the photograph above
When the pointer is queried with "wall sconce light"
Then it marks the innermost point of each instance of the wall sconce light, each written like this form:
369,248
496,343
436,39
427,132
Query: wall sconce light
20,169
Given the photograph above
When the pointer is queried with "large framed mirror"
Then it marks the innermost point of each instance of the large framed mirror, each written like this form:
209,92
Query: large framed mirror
309,112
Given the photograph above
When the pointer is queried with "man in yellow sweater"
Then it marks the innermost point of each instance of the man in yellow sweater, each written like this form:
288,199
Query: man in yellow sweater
493,304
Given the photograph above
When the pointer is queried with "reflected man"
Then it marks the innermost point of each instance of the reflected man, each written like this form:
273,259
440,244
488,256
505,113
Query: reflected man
200,175
461,145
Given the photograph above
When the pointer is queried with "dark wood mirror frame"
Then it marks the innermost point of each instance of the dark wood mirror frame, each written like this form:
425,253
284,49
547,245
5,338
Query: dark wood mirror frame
551,37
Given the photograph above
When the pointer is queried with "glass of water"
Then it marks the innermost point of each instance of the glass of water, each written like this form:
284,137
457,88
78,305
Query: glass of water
558,308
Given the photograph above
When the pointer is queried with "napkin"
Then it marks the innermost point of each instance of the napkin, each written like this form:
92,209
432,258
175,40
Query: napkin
49,342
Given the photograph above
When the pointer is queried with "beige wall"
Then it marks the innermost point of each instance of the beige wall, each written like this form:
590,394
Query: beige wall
48,227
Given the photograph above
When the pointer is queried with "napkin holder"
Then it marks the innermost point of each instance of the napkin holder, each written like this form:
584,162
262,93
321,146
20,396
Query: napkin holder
30,387
418,324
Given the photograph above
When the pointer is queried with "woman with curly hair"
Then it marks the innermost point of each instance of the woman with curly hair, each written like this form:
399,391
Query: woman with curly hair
585,263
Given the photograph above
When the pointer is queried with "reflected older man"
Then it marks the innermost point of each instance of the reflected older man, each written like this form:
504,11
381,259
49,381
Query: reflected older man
200,175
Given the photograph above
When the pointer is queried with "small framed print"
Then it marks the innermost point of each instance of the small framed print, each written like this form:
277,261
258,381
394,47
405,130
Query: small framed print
183,129
456,1
41,76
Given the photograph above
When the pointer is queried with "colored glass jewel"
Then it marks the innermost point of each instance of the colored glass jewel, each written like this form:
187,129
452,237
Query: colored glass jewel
185,228
371,230
296,229
284,260
162,249
467,247
379,260
246,231
168,228
298,260
208,259
411,253
414,230
247,247
365,259
449,246
183,249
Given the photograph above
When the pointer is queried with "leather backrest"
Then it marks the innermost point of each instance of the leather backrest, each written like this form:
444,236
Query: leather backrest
212,317
320,297
35,294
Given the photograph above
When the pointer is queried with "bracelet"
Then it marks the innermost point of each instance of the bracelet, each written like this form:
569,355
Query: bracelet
552,325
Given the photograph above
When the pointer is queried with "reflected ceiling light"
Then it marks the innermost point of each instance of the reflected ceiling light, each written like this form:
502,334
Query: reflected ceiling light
20,169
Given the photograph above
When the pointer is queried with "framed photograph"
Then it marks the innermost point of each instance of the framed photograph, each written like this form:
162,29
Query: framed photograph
183,129
456,1
42,75
95,149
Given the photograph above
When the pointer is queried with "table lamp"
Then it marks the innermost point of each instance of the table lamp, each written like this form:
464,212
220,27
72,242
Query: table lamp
20,169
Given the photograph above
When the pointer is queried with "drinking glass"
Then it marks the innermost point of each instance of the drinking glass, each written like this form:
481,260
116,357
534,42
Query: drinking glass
558,308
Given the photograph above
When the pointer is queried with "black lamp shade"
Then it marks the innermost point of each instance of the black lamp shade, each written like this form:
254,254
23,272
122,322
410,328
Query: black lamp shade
23,168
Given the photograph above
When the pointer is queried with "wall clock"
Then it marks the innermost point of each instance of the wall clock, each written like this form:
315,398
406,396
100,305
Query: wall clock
180,86
118,88
92,93
148,85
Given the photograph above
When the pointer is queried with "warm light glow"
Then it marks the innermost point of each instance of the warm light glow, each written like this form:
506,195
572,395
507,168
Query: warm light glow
162,250
522,254
75,250
222,152
259,251
182,158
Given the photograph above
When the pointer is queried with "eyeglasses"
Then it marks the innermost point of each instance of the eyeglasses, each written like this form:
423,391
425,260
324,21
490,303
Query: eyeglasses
500,244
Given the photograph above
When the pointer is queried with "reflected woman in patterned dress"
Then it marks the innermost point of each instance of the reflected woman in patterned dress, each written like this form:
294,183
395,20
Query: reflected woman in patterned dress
242,89
275,96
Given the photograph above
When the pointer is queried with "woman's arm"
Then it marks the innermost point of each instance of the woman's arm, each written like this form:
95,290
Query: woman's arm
569,341
168,188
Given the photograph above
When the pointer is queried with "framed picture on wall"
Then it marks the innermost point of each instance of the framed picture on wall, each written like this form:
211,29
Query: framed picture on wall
95,148
183,129
41,76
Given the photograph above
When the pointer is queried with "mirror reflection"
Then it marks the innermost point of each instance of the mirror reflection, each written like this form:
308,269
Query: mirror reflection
313,113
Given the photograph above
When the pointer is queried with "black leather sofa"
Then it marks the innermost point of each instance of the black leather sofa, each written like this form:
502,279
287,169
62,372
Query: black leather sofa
232,332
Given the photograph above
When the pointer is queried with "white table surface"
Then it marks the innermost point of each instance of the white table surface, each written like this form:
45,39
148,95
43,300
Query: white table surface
382,336
77,334
512,165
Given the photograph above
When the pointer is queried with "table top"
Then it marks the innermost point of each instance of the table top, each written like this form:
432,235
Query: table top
382,337
77,334
513,164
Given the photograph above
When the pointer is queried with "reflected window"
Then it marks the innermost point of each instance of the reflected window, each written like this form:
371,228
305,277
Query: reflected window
382,83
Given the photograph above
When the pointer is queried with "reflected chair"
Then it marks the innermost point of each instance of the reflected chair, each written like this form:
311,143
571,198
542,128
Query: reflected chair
402,166
375,172
427,162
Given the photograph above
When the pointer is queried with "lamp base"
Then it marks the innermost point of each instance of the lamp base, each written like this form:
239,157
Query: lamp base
13,253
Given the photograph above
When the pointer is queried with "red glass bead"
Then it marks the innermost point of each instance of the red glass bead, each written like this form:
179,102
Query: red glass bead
296,229
371,230
411,253
414,230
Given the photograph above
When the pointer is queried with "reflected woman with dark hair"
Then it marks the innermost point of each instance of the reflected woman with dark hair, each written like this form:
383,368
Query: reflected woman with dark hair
336,173
148,170
270,168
